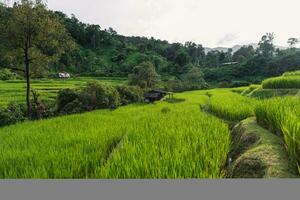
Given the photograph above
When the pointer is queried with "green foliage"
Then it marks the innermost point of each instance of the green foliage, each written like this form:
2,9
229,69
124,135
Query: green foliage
144,76
191,80
194,80
12,114
175,86
130,94
6,74
40,109
98,96
67,101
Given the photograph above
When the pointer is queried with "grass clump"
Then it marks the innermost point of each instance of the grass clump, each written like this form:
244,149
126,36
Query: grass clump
257,153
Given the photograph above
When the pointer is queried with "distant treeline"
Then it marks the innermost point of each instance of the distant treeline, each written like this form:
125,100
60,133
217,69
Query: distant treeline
102,52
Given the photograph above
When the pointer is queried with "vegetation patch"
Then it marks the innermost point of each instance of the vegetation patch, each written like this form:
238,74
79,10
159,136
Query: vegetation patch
160,140
257,153
270,93
282,82
231,106
282,117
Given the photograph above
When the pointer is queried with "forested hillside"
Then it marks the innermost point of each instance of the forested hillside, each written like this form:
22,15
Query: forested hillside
102,52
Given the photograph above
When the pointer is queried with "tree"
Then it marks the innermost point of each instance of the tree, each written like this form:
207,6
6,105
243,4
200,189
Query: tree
266,46
36,36
144,75
243,54
293,42
194,79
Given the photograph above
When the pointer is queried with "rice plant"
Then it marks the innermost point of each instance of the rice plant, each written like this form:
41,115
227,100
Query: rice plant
136,141
282,116
284,82
231,106
294,73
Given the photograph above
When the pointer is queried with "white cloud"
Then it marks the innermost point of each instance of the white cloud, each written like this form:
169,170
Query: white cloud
202,21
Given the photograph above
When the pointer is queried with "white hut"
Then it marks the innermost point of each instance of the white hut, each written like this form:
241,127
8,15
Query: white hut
64,75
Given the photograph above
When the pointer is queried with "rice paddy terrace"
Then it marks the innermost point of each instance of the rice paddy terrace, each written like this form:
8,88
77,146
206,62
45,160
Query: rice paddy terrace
220,133
14,91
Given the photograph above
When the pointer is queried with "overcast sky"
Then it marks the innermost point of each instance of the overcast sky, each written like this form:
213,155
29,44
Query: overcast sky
208,22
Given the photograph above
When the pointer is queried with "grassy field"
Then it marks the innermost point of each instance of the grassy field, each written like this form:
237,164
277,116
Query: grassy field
165,140
14,91
185,138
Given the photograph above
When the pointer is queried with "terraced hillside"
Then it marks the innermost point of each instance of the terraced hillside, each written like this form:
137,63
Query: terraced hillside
188,137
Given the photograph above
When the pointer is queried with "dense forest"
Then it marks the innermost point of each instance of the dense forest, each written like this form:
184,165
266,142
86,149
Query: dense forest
104,52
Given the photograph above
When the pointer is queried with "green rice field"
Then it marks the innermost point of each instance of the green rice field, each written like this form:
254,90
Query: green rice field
165,140
14,91
188,138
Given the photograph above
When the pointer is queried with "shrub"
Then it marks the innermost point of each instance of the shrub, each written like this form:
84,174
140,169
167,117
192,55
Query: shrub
68,101
144,75
224,84
193,79
12,114
239,83
130,94
40,109
6,74
98,96
175,86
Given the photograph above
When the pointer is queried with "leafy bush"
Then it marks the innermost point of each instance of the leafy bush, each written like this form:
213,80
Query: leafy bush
12,114
239,83
144,75
175,86
224,84
98,96
6,74
67,101
130,94
40,109
193,79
